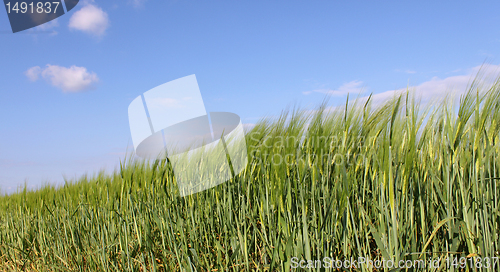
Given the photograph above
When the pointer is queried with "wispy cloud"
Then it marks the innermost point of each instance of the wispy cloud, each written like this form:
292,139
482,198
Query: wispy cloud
46,28
162,102
437,89
433,91
167,102
247,127
48,25
352,87
454,71
408,71
71,80
486,53
137,3
90,19
33,73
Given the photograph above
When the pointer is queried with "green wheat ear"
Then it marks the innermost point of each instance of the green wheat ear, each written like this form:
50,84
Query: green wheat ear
399,180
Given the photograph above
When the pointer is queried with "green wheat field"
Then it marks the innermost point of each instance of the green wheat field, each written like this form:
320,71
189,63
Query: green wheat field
396,181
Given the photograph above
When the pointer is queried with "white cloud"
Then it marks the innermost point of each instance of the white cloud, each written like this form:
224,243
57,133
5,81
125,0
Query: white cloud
347,88
90,19
33,73
454,71
247,127
45,28
48,25
433,92
73,79
436,89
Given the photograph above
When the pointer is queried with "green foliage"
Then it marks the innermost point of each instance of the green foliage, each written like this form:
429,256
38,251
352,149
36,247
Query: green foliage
394,182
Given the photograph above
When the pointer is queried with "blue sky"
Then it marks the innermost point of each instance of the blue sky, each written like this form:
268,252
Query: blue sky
65,86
